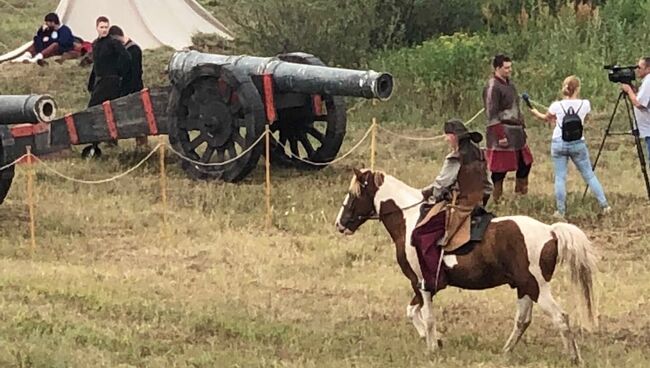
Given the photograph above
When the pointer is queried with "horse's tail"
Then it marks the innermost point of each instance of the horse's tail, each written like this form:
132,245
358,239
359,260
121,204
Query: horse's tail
575,249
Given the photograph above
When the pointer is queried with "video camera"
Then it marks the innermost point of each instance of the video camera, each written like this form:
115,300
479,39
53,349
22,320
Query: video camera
621,74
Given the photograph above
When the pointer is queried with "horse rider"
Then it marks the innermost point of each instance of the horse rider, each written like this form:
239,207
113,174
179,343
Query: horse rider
462,185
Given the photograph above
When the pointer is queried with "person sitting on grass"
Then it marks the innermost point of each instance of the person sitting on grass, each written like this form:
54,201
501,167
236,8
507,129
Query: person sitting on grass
52,39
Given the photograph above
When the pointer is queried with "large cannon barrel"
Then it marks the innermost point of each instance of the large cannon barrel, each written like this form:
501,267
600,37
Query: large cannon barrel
293,77
26,109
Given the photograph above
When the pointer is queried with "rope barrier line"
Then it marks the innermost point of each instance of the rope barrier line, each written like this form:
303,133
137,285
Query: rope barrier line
183,157
370,130
356,106
429,138
365,136
475,116
101,181
409,138
14,162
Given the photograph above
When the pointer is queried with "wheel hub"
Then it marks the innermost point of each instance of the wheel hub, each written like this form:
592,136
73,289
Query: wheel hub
218,124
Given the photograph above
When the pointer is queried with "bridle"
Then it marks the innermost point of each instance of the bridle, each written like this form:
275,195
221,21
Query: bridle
375,216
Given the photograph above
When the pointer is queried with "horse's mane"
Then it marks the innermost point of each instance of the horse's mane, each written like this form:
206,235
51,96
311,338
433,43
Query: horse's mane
379,178
355,185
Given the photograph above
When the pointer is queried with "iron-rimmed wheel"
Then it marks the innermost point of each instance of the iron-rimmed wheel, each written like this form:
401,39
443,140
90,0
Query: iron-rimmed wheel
216,114
6,175
312,135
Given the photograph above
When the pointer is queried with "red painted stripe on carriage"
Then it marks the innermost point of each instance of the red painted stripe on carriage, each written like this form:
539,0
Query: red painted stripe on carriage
22,130
269,101
110,119
148,111
317,102
72,129
28,130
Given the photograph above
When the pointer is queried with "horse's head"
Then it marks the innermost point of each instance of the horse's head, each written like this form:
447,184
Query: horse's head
359,204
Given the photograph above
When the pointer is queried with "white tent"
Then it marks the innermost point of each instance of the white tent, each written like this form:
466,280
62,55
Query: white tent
149,23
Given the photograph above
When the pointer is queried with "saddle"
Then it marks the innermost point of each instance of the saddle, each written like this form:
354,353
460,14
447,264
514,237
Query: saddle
464,225
431,236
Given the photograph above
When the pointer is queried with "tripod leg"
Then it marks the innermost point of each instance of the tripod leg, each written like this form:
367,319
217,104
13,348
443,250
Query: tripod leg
602,143
637,142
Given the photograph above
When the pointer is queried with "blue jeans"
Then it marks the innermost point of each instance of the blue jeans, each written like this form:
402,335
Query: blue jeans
577,151
647,143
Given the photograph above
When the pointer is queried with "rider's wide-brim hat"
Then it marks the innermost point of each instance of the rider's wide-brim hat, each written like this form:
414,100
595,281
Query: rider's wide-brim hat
456,126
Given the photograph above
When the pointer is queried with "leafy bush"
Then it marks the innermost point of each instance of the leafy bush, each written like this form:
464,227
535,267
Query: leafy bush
319,27
439,51
445,76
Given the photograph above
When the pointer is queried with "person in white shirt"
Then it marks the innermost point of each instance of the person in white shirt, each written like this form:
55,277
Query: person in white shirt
563,148
641,100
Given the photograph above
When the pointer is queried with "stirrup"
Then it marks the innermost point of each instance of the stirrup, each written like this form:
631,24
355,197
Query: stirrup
422,285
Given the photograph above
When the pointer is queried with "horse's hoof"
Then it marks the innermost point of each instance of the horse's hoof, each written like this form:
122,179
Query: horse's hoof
577,361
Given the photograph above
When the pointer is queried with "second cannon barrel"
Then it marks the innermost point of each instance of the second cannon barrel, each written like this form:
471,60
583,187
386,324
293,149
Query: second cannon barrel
293,77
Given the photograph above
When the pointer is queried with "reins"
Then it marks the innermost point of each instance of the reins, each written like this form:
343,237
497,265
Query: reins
377,217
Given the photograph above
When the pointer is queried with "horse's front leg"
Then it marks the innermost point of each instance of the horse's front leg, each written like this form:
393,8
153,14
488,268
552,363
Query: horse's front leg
431,334
414,313
414,310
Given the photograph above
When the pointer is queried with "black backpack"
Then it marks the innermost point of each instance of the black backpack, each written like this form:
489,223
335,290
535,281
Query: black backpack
571,124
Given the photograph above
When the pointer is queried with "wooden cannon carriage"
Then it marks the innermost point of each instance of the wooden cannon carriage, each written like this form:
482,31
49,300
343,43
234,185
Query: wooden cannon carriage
215,110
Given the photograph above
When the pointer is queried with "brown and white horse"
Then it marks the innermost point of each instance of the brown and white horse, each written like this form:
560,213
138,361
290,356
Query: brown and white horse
516,250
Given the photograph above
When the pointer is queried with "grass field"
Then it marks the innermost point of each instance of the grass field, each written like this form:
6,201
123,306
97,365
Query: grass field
106,287
109,286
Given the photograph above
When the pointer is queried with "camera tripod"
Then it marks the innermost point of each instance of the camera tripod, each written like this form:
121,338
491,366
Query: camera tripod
634,131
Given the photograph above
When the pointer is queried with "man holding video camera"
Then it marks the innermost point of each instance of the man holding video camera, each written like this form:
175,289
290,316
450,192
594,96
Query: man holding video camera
641,100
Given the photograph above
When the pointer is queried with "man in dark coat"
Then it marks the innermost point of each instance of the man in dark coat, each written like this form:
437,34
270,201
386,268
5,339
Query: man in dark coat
111,62
132,81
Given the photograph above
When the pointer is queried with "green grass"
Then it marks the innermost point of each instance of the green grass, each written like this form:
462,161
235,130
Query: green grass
109,286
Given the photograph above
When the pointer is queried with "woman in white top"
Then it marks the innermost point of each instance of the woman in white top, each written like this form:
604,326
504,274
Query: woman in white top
569,145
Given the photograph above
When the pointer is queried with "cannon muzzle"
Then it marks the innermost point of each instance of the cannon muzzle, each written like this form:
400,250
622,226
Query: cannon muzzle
292,77
26,109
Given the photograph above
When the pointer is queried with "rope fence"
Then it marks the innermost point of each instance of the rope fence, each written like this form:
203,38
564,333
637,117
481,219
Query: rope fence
14,162
410,138
344,156
438,137
101,181
161,147
229,161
